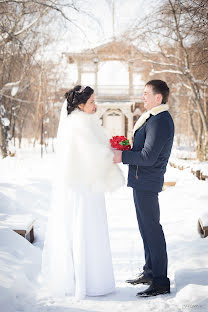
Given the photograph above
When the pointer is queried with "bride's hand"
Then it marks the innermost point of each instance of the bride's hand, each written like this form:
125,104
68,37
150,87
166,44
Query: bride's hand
117,156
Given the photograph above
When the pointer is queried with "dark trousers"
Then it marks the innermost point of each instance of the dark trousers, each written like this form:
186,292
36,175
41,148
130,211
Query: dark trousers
148,217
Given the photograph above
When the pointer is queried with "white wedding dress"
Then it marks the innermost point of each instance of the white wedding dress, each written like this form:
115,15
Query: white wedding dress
76,256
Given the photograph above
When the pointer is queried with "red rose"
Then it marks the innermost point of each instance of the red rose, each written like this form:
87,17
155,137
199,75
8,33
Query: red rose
120,143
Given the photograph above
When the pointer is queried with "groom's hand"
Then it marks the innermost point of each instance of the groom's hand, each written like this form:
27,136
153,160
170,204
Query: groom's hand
117,157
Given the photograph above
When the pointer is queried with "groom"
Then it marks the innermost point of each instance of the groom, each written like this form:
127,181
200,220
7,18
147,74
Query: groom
147,160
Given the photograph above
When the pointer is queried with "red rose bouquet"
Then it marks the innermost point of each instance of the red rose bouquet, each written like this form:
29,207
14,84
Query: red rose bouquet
120,143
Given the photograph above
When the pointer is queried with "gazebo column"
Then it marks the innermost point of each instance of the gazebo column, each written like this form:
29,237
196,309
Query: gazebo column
95,61
96,78
79,71
123,124
130,69
130,127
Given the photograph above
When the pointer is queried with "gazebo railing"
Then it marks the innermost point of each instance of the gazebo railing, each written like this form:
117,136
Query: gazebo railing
118,90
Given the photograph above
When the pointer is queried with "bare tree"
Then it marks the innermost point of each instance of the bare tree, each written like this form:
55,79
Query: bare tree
22,34
174,40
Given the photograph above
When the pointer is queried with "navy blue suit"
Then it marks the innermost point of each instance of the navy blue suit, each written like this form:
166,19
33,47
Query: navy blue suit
147,162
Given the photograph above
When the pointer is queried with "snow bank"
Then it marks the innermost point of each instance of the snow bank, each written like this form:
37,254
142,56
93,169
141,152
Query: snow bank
20,264
25,189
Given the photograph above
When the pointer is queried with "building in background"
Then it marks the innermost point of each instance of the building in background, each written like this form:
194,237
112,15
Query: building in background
113,70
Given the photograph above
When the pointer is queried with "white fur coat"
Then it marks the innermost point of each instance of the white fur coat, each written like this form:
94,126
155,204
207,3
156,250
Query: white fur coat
84,155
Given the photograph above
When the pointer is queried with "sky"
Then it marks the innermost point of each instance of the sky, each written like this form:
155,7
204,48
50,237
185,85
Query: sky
95,25
92,28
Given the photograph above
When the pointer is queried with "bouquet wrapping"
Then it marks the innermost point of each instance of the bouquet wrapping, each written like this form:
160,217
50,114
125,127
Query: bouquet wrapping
120,143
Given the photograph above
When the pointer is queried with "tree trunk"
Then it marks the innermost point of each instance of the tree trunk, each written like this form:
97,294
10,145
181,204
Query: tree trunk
199,147
3,140
20,138
13,130
191,123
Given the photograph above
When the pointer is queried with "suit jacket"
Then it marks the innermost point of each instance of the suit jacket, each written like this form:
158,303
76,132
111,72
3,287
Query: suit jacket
149,155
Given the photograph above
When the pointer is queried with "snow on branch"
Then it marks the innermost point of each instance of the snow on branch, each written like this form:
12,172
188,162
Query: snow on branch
5,122
14,86
171,56
166,71
27,26
18,100
201,82
186,86
11,84
160,63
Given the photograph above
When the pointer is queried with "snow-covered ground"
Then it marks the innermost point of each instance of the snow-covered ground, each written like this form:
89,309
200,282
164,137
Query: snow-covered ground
25,189
180,155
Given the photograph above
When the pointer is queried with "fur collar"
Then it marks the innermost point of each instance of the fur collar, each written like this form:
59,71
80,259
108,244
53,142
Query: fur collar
154,111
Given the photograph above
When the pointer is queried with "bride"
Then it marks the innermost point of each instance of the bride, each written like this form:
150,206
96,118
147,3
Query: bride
76,257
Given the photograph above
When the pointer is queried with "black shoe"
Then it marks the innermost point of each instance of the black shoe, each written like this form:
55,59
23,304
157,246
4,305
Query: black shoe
154,290
140,279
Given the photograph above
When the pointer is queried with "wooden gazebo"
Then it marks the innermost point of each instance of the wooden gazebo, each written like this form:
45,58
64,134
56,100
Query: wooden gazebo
118,106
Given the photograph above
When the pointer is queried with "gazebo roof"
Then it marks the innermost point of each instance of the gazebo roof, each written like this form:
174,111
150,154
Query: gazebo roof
114,50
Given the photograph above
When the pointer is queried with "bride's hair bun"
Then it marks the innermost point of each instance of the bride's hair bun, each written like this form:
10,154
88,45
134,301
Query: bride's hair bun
77,95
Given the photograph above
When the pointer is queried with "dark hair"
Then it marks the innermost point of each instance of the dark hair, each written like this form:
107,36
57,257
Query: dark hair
77,95
159,87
